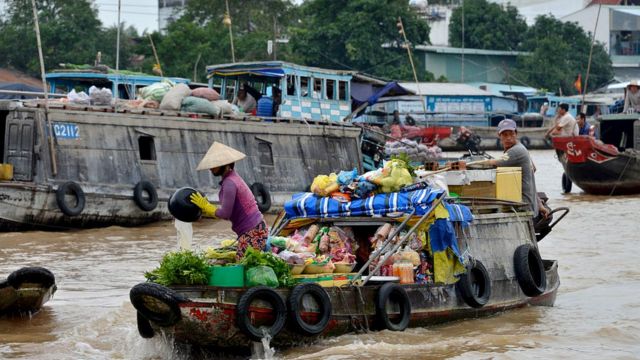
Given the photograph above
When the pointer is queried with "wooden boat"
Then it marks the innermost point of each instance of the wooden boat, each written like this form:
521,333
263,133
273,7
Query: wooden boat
504,271
607,167
26,290
77,166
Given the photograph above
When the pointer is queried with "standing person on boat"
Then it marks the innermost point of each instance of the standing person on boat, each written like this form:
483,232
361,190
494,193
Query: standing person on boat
565,124
517,155
237,202
632,98
245,101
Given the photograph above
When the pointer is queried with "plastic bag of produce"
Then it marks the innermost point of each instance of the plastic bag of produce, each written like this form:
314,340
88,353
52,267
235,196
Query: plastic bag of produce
347,177
100,97
261,275
79,98
156,91
172,100
323,185
205,93
199,105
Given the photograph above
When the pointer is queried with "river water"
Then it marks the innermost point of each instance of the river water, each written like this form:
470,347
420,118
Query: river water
596,316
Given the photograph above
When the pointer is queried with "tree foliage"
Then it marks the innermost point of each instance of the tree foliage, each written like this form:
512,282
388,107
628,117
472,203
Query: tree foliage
558,52
350,34
487,26
69,30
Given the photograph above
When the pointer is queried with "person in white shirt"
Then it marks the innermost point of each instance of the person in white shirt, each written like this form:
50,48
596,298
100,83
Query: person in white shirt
245,101
566,125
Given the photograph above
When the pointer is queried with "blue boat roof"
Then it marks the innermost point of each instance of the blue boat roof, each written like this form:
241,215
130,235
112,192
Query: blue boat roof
122,78
272,69
568,100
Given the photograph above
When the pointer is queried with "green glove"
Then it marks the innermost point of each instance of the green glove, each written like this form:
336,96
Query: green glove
208,209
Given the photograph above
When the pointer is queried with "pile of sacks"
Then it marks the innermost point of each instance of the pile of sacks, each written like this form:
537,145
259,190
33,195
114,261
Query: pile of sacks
415,151
166,95
392,177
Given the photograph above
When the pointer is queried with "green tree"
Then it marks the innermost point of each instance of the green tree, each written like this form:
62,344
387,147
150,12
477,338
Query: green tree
69,30
201,34
107,42
487,26
558,53
350,34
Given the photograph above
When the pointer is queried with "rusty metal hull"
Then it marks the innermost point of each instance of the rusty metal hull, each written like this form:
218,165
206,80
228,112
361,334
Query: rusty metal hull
108,153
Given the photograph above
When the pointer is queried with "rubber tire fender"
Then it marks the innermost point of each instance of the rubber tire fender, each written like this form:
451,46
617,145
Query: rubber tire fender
169,298
260,192
525,141
144,326
321,297
242,312
35,274
396,291
138,191
529,270
76,191
476,276
566,184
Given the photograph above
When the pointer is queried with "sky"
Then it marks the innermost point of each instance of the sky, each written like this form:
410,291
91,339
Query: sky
142,14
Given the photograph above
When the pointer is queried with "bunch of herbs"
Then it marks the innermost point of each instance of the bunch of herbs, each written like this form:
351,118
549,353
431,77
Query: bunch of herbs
180,268
253,258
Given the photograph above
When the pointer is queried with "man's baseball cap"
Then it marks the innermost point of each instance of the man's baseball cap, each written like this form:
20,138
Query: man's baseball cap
506,124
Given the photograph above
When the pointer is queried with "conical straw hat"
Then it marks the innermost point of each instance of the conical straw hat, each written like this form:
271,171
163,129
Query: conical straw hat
219,155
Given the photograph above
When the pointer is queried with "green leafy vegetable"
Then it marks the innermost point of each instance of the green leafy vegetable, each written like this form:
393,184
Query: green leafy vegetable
180,268
253,257
407,162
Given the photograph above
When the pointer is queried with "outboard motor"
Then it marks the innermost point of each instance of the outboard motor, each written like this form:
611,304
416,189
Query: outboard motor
470,141
544,225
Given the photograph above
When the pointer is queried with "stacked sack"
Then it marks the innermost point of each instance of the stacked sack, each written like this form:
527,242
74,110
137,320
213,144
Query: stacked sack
415,151
169,96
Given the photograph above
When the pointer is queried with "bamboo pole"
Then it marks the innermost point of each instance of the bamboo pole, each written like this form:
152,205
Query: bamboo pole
155,54
413,67
593,39
54,167
228,17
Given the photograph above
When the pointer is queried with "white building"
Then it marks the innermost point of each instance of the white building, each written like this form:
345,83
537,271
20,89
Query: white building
619,30
169,11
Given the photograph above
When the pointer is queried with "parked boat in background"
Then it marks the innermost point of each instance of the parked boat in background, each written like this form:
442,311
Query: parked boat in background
609,166
25,290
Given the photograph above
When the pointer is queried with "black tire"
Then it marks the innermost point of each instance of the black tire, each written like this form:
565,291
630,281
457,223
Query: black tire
243,317
566,184
397,293
75,190
525,141
529,270
36,275
165,301
263,198
474,286
295,308
144,326
146,204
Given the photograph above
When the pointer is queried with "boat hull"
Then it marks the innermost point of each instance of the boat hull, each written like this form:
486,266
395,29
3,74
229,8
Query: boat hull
599,169
26,290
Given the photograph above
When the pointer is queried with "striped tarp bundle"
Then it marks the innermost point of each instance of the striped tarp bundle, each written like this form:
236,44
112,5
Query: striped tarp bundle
310,205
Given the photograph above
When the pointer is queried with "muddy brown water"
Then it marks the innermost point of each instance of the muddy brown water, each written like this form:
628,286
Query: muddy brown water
597,312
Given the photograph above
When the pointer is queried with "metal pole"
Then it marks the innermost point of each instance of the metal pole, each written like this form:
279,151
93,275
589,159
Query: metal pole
593,39
233,54
462,66
54,167
117,92
413,68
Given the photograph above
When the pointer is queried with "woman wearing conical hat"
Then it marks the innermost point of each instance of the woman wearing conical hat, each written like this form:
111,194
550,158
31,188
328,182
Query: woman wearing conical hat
237,203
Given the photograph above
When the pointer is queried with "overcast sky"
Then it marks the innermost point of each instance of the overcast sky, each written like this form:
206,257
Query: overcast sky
142,14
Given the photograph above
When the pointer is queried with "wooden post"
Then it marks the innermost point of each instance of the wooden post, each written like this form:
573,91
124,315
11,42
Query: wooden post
54,167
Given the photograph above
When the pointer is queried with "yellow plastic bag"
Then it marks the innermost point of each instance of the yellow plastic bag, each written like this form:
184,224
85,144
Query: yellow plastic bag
323,185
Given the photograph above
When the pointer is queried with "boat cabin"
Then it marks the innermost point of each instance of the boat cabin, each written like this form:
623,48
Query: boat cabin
126,84
620,130
307,93
535,104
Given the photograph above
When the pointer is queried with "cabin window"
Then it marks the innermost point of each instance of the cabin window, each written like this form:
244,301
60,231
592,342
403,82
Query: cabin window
147,148
230,89
291,85
331,89
266,153
304,86
318,92
342,91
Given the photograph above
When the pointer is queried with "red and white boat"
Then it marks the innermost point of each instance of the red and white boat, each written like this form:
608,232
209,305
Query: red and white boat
610,166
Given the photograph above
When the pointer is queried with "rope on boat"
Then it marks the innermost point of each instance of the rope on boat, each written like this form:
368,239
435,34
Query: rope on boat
620,177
